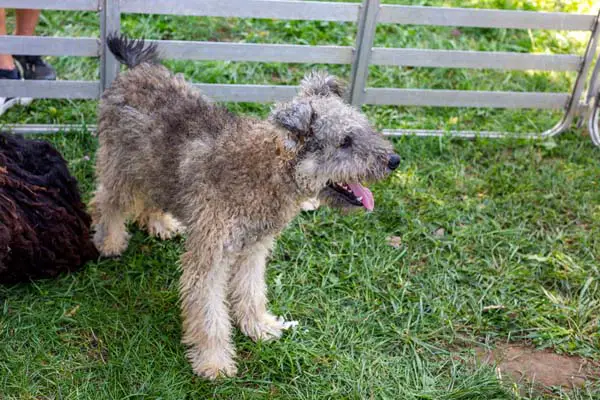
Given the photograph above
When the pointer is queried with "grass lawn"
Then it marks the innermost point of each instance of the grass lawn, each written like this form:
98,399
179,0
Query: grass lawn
472,244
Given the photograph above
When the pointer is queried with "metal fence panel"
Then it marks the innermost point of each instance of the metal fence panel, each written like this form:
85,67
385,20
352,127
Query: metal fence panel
492,19
367,15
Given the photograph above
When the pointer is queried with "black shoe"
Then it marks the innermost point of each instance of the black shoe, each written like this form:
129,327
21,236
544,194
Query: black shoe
8,102
36,68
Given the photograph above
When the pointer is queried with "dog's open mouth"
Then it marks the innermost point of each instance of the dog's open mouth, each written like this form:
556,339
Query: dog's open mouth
355,194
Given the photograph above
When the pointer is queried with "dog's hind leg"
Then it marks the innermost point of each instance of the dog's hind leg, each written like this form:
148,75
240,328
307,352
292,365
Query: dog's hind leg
159,223
206,325
110,236
248,295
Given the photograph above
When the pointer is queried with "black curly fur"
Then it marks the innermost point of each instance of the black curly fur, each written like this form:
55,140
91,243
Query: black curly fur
44,228
131,52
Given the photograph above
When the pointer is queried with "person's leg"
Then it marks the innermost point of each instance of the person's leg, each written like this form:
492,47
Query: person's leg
26,22
7,69
33,66
6,60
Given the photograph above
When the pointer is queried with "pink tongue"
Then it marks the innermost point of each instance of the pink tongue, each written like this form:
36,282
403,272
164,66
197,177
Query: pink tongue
367,197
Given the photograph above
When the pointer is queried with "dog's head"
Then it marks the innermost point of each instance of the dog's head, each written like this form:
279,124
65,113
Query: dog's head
337,149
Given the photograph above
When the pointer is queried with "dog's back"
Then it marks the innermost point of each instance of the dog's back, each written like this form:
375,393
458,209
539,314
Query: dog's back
150,95
148,108
189,144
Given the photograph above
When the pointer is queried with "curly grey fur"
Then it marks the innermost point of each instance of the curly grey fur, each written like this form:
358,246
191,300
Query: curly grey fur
319,83
167,154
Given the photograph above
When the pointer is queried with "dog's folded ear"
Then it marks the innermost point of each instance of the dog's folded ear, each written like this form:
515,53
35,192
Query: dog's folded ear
296,116
319,83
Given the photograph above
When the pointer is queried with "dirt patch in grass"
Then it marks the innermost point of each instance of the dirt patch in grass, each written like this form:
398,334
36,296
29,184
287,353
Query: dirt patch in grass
541,368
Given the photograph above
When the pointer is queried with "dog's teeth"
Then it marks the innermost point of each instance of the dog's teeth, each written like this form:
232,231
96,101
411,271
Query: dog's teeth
359,198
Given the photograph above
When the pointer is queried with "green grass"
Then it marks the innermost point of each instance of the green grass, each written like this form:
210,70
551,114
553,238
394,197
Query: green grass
480,223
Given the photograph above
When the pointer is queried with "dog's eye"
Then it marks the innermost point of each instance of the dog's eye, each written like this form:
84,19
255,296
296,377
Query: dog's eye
347,142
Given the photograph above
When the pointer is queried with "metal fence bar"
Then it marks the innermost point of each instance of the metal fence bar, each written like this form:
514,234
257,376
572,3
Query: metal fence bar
285,53
474,59
453,133
103,48
75,5
464,98
484,18
593,104
110,22
589,102
49,46
356,54
248,93
281,9
47,128
272,93
40,89
594,84
367,23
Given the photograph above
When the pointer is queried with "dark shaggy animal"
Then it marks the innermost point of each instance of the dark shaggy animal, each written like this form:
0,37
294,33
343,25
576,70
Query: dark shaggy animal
44,228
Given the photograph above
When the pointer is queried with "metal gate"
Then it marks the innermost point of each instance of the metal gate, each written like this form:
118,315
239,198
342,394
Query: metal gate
367,15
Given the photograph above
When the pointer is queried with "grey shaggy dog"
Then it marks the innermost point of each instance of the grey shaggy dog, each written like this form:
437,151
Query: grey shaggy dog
168,154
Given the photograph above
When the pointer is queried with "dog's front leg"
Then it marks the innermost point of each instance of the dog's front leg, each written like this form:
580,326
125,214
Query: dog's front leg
206,324
248,294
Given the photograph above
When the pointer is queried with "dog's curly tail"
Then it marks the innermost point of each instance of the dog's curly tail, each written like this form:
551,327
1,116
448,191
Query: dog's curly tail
132,52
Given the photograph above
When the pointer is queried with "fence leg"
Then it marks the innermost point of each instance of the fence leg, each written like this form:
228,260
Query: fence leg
110,22
573,105
367,22
594,121
593,103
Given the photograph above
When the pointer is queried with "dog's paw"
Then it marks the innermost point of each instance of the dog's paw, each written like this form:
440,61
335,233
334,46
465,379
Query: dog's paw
267,327
110,246
212,365
164,227
310,204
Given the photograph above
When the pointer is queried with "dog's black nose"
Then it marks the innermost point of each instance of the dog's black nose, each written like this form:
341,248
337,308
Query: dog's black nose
393,161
